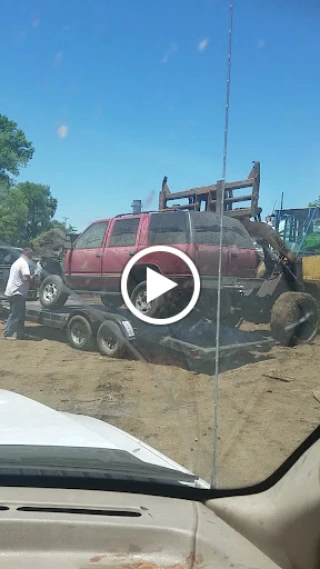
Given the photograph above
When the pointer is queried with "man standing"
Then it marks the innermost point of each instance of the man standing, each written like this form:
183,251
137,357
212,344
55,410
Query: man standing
17,291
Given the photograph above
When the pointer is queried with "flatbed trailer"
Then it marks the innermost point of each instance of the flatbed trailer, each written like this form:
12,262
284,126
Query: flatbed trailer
118,334
85,325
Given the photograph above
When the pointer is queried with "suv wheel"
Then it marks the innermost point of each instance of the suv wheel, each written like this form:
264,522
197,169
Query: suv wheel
53,293
139,301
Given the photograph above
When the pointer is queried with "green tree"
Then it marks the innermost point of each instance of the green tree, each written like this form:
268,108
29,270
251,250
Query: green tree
41,209
4,190
13,217
66,227
316,203
15,150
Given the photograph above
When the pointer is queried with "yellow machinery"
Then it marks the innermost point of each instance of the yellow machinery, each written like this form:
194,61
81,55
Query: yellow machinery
289,296
300,230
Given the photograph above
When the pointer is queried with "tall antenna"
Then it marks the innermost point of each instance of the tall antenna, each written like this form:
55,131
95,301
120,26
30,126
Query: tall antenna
223,181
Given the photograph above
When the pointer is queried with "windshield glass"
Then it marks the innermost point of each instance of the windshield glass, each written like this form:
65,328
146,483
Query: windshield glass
159,239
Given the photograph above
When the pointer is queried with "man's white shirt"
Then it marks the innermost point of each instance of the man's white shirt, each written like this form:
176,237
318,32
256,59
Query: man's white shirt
16,285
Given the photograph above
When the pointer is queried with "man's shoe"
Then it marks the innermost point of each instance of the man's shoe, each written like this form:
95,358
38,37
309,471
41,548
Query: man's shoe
8,337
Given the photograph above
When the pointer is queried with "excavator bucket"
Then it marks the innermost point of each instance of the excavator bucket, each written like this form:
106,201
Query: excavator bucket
209,198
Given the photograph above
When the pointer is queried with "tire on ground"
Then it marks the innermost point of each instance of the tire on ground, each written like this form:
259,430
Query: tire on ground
294,318
53,293
110,302
139,298
110,340
80,333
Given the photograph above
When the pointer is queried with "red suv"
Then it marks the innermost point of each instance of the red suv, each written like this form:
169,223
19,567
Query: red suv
97,258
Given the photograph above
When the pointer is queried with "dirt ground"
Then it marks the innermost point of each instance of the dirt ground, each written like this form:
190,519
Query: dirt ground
267,402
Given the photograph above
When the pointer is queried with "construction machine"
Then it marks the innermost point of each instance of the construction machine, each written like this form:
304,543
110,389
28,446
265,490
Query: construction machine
290,266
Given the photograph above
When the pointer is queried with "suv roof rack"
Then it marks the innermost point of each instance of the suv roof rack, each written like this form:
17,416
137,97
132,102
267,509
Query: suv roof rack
131,214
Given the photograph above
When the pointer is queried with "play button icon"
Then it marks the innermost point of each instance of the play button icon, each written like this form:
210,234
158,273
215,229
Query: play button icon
155,285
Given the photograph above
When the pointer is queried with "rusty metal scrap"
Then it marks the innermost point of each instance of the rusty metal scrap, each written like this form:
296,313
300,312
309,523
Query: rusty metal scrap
211,196
266,233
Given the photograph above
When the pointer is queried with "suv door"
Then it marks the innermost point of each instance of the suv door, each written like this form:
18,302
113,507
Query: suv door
171,229
121,245
243,258
83,262
206,237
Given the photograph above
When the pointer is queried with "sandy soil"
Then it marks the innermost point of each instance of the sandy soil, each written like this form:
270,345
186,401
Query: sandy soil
267,403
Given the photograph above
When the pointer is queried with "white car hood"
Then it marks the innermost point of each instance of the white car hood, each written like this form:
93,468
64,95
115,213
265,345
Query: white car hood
24,421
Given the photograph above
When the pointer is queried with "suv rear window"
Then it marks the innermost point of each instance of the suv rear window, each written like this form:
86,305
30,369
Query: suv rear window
168,228
206,226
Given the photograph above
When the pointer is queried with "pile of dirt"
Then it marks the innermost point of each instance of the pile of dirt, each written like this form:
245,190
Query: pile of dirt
50,243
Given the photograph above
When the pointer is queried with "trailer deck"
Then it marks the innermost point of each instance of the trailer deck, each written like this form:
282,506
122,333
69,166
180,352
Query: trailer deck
190,339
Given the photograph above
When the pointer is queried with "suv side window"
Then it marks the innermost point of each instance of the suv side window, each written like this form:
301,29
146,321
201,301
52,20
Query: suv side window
168,228
92,237
206,227
124,232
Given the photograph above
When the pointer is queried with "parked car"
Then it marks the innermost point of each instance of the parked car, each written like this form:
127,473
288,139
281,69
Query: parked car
96,259
8,255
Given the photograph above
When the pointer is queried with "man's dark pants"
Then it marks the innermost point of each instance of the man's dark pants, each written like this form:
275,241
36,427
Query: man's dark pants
17,314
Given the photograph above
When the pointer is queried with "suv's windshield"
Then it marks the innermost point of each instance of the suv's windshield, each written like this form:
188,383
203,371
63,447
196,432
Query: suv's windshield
159,239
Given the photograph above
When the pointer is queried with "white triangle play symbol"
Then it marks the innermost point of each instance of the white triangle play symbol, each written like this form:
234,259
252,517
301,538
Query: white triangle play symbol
157,285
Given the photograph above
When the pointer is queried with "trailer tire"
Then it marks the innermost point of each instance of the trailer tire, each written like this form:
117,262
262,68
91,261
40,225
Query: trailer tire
110,340
139,301
110,302
294,318
80,333
53,293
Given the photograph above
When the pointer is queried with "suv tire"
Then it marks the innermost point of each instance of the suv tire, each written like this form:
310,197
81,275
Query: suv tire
139,301
53,293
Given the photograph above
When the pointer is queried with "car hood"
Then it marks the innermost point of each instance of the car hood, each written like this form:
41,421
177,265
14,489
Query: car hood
24,421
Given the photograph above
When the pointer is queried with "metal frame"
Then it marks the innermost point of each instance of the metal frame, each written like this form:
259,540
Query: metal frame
211,196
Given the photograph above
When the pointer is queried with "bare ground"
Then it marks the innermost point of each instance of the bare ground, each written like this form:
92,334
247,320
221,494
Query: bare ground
267,403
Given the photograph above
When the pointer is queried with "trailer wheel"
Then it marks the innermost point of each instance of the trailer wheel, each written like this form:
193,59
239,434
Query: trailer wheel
294,318
110,340
80,333
139,300
53,293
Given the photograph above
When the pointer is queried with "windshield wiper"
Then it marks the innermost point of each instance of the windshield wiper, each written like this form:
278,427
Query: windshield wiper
75,462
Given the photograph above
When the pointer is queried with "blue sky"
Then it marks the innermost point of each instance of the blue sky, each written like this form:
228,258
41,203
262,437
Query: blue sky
115,94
